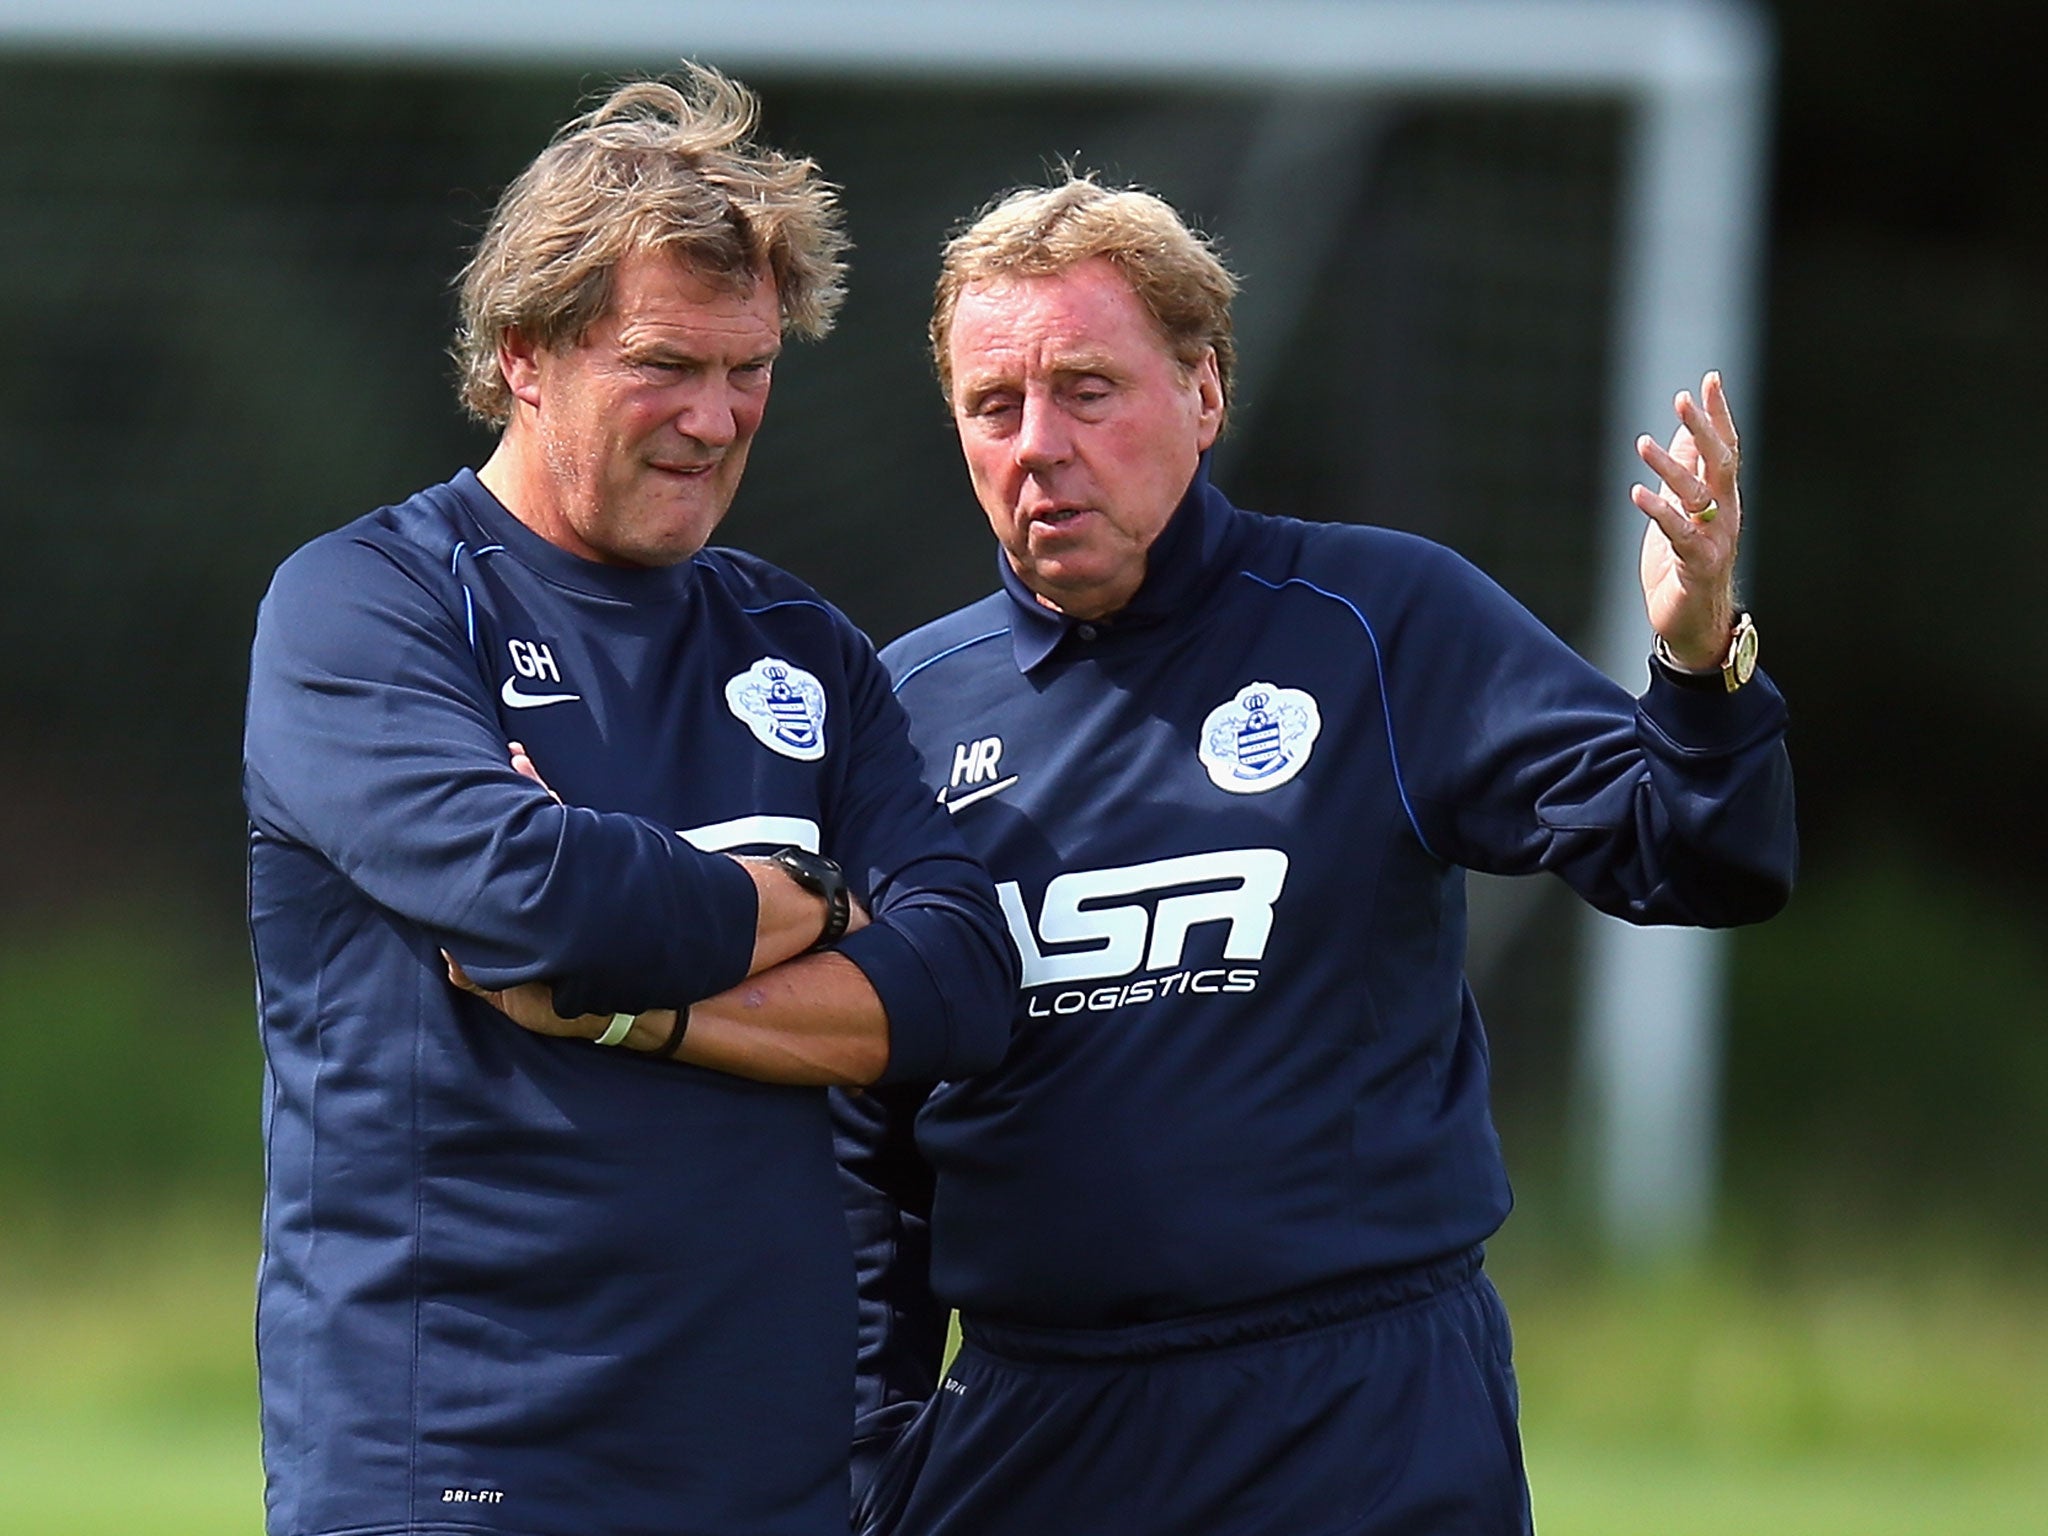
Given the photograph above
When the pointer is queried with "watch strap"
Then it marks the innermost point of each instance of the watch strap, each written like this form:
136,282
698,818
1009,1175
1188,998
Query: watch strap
838,912
1737,665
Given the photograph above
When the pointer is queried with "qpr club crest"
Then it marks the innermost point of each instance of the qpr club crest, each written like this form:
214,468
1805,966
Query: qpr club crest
1260,739
783,705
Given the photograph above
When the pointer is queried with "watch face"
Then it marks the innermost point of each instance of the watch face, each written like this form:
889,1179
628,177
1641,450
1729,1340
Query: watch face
821,877
812,870
1743,662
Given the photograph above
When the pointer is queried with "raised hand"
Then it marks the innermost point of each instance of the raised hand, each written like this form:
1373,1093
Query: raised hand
1688,558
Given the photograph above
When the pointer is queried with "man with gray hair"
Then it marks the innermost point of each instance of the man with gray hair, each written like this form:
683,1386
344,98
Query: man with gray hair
1214,1226
589,1276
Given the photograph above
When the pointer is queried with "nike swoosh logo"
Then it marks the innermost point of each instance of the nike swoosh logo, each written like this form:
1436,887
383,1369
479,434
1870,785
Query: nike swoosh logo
514,699
961,802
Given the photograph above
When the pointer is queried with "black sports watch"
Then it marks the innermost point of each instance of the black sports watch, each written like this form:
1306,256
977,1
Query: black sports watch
819,875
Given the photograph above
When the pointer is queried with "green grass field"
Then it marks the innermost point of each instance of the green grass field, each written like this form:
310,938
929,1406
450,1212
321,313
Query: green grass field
1708,1405
127,1396
1702,1405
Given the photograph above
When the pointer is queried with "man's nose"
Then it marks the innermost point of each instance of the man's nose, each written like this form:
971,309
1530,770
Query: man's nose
1042,436
709,415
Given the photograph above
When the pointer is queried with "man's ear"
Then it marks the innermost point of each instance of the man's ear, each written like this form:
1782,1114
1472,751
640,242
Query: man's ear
519,362
1208,381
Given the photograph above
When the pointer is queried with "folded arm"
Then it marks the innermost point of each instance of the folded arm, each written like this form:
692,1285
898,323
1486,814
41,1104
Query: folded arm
814,1021
372,742
921,990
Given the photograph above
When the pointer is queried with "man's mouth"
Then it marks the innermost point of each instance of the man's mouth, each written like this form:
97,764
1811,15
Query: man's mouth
1056,517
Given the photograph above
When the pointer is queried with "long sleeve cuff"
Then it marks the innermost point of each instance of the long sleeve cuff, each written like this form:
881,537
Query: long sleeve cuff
935,1031
919,1036
1698,721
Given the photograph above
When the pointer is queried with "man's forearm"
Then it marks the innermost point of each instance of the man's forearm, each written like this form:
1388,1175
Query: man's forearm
789,918
813,1021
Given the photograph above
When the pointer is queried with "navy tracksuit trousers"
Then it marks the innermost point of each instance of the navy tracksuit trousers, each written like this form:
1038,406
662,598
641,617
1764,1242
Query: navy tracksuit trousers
1380,1407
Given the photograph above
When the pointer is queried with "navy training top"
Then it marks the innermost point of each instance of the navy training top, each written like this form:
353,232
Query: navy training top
1229,827
526,1285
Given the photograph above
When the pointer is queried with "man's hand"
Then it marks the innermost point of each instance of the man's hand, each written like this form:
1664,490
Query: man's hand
531,1005
522,765
1688,560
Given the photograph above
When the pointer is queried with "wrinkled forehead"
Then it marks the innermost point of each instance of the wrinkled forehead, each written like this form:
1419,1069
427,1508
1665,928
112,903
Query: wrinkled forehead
1084,319
662,285
705,269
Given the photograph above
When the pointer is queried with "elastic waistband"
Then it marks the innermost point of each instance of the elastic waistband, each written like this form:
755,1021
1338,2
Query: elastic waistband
1341,1301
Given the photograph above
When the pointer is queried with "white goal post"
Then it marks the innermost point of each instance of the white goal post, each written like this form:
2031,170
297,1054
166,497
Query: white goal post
1693,79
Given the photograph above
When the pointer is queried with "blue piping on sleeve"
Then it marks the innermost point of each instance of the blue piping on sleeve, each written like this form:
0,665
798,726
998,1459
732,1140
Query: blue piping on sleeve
468,602
1386,706
948,651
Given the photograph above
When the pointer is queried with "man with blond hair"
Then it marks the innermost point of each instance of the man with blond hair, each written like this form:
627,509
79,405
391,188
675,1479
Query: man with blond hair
517,1280
1214,1226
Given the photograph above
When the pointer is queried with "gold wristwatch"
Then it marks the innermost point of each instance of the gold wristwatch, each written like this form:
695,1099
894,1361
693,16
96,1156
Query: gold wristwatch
1738,664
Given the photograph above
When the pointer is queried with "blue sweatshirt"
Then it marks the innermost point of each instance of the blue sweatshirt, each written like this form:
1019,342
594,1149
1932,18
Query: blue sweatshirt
1229,828
519,1284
